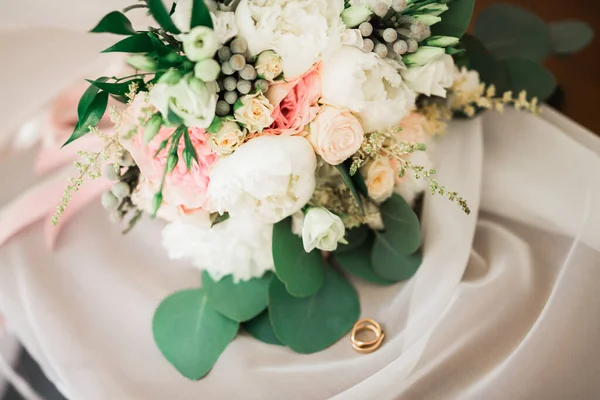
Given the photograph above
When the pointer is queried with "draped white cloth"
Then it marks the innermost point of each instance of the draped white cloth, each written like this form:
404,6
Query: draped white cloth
504,306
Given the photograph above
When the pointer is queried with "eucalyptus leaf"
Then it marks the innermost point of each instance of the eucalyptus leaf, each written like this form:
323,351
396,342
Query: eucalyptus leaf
301,272
456,20
355,238
311,324
487,65
570,36
117,89
115,22
190,333
530,76
200,15
92,116
260,328
510,31
344,170
390,264
402,228
358,263
161,15
138,43
239,301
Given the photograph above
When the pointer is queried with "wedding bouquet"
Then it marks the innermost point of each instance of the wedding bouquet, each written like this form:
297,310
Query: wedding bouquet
287,144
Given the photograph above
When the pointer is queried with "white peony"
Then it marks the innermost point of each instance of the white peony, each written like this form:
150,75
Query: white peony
368,86
269,176
409,186
322,230
223,21
191,99
302,31
240,247
433,78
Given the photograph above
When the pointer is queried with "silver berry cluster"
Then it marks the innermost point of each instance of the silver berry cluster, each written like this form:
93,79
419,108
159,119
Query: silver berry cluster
118,199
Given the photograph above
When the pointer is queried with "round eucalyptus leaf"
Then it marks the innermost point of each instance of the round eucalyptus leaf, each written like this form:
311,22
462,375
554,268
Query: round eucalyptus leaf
239,301
301,272
511,31
389,264
571,36
456,20
311,324
190,333
358,263
530,76
402,228
260,328
487,65
355,237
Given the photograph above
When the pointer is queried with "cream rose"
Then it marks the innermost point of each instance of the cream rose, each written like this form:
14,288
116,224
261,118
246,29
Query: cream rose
254,112
335,134
380,179
229,137
268,65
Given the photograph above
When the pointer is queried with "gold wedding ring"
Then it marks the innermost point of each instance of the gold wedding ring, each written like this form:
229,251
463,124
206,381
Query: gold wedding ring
366,346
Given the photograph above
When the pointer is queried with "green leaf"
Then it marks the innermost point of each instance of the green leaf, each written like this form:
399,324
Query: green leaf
345,172
118,89
92,116
86,99
216,218
390,264
359,183
115,22
402,228
570,36
358,263
190,333
456,20
138,43
161,15
189,149
528,75
355,238
260,328
490,69
510,31
161,49
200,15
239,301
311,324
301,272
173,119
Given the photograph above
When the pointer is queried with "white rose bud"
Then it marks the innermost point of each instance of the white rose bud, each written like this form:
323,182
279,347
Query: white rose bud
228,138
380,179
355,15
143,63
254,112
433,78
200,43
207,70
424,55
269,65
322,230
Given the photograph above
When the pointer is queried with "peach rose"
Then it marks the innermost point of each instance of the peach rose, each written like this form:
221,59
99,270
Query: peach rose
295,103
335,134
413,128
380,178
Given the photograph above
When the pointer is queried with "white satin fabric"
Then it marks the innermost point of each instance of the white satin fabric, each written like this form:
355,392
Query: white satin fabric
505,305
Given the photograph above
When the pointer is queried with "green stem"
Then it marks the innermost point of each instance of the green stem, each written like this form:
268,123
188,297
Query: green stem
133,7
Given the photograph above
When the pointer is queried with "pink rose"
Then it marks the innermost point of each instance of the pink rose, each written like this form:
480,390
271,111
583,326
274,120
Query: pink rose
413,129
182,188
295,103
335,134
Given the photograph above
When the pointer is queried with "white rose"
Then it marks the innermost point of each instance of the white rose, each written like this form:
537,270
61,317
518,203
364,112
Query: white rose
200,43
322,230
270,176
269,65
409,186
191,99
240,247
302,32
254,112
368,86
229,137
335,134
433,78
380,178
223,21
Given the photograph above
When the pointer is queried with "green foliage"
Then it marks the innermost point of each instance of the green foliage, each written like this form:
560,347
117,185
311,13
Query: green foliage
239,301
189,152
117,88
344,170
456,20
261,329
358,263
190,333
402,228
91,116
301,272
524,74
311,324
161,15
115,22
570,36
389,264
200,15
355,238
138,43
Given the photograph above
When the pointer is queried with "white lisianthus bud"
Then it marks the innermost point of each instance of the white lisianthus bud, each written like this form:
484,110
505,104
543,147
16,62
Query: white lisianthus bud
427,19
207,70
441,41
355,15
171,77
152,127
433,78
322,230
268,65
228,138
200,43
436,9
254,111
143,63
424,55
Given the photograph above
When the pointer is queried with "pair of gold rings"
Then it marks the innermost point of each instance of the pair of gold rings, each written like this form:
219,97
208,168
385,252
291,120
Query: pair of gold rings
370,345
